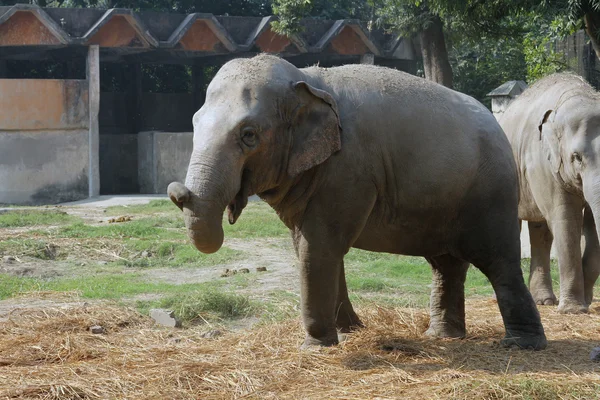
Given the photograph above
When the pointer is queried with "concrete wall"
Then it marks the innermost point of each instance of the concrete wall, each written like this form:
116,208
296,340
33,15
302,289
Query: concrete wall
163,157
170,112
43,167
44,149
48,104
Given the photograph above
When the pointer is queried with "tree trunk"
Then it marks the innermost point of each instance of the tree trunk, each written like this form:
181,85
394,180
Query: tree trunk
592,24
435,56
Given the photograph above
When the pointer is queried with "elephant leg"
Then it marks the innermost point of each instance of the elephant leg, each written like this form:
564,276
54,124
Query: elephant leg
567,236
492,244
447,297
520,316
591,255
319,281
540,281
346,319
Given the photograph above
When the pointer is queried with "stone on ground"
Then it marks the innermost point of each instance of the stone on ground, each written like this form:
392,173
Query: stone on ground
165,317
97,329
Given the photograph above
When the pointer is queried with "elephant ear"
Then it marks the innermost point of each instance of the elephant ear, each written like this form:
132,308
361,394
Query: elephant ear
550,141
315,129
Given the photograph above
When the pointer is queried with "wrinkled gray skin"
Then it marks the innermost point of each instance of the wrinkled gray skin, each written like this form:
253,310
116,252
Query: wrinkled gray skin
366,157
554,129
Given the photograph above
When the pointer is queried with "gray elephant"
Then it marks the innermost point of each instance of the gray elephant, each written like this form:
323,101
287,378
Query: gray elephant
366,157
554,129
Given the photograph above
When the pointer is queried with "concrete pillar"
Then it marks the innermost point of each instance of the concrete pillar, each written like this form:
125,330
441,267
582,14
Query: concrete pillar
367,58
93,79
504,94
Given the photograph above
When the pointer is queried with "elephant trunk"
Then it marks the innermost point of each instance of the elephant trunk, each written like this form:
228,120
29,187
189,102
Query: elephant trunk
210,186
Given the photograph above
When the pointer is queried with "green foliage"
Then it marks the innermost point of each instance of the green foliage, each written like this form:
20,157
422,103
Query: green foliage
541,59
232,7
406,17
542,30
481,66
290,12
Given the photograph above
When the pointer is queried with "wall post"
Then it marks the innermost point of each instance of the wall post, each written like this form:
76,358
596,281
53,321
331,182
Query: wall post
93,79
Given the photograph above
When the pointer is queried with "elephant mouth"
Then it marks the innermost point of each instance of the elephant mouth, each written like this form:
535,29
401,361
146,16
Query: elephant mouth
239,202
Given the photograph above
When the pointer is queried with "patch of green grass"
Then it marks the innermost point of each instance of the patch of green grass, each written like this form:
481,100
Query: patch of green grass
175,254
208,304
418,299
154,206
105,286
393,278
21,218
11,286
257,220
378,272
280,305
155,228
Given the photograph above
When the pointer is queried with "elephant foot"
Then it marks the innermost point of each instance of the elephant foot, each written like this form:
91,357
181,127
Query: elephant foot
546,301
544,298
572,307
311,342
525,341
348,323
445,330
589,297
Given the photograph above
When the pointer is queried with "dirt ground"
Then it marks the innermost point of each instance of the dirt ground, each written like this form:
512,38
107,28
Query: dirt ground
275,255
48,352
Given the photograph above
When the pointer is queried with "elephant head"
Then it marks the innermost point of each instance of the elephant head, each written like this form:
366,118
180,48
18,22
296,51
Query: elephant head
262,124
570,136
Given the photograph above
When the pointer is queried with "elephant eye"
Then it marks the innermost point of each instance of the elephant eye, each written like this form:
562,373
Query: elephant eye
249,137
576,157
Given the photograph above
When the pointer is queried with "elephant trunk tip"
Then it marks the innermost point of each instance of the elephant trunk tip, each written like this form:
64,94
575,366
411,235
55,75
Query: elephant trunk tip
204,244
178,194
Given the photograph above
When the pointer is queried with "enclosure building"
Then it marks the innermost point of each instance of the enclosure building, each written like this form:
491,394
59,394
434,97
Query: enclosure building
101,101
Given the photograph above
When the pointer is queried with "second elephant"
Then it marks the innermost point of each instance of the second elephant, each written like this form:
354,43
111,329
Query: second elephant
554,130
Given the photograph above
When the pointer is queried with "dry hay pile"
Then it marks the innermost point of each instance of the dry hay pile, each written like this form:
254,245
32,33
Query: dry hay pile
49,353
